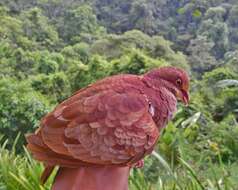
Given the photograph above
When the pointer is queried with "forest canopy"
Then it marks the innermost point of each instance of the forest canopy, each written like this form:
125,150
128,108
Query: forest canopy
51,48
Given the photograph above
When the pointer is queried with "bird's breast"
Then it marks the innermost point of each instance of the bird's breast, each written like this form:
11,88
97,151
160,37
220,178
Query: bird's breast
162,105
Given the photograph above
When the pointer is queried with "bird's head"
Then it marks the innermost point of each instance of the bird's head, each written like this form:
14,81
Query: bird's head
174,79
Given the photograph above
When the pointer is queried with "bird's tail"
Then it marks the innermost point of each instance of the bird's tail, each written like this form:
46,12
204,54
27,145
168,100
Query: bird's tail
36,146
92,178
46,174
42,152
76,175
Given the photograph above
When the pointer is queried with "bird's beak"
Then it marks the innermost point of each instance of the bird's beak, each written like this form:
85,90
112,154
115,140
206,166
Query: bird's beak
185,97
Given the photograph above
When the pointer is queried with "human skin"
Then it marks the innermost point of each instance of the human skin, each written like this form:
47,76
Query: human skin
92,178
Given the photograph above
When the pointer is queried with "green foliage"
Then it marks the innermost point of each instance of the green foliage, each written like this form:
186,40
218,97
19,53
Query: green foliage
157,47
10,26
79,23
20,108
50,49
19,171
218,74
200,55
55,86
22,172
135,63
197,13
36,27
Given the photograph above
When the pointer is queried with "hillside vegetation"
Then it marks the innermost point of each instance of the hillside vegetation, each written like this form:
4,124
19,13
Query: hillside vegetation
51,48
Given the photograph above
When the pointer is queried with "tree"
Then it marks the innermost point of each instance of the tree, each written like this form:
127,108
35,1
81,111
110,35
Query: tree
20,109
11,28
113,46
37,28
199,57
54,86
233,25
78,22
135,62
216,30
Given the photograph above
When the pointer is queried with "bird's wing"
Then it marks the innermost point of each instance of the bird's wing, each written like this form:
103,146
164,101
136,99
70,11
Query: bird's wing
101,125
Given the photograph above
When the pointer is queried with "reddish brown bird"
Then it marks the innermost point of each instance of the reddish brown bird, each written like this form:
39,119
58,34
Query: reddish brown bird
96,135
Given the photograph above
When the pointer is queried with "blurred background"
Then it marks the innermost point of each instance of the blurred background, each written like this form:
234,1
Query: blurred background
51,48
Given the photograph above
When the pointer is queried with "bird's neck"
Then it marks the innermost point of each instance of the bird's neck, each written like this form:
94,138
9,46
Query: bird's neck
161,94
92,178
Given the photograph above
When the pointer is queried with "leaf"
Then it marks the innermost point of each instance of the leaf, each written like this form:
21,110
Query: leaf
191,120
181,10
197,13
227,83
166,166
192,172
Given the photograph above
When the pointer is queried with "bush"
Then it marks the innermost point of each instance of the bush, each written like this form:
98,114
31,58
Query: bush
20,109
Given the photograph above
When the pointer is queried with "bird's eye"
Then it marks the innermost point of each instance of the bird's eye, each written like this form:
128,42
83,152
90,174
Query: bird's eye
179,82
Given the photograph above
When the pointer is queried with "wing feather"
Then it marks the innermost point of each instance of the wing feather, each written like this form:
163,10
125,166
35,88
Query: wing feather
101,125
